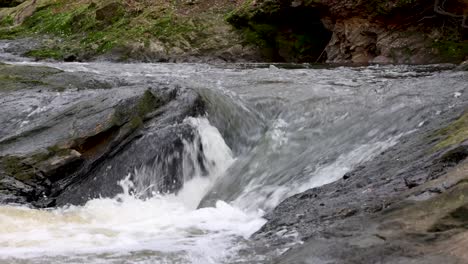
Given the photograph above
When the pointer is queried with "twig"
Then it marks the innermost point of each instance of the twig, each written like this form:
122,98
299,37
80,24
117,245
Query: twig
439,10
317,60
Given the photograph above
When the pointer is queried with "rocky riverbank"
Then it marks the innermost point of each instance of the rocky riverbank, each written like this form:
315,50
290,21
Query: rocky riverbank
161,31
408,205
71,136
396,31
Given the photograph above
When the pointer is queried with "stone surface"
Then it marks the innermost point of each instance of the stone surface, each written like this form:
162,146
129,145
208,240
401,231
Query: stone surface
399,32
405,206
63,128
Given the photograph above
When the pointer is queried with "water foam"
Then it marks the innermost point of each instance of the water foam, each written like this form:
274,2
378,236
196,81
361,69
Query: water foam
166,227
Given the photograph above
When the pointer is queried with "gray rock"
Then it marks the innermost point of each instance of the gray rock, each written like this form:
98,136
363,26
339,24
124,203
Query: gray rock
463,66
374,214
61,131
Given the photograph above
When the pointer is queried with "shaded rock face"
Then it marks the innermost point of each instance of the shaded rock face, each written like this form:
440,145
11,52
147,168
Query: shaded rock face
10,3
66,131
285,31
358,32
358,40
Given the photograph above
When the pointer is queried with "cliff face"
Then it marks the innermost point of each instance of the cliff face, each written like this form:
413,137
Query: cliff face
394,31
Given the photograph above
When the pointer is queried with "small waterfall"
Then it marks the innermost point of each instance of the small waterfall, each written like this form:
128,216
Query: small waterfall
202,160
165,228
269,133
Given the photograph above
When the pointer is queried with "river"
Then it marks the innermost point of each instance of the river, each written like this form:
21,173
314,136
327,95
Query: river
270,131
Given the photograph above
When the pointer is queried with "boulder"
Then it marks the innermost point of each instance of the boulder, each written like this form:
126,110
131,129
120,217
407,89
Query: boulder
60,129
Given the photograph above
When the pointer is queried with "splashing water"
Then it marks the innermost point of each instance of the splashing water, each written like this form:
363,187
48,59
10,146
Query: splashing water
290,129
164,227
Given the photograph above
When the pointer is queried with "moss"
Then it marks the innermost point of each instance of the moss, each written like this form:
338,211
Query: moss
13,83
45,53
170,27
137,111
16,77
7,21
453,134
147,103
18,168
452,49
135,122
91,28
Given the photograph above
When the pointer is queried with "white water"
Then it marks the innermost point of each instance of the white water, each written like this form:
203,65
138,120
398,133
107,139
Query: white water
361,112
166,228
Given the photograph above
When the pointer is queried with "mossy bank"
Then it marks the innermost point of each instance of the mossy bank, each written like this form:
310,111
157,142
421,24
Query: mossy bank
127,30
351,31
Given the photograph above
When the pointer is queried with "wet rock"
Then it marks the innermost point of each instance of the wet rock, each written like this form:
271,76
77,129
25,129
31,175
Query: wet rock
61,129
463,66
405,208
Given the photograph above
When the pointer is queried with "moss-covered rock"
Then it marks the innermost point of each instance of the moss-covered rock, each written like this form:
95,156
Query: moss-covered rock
15,77
126,30
453,134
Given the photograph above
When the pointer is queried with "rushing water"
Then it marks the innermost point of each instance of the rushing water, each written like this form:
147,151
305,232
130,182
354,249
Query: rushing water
269,133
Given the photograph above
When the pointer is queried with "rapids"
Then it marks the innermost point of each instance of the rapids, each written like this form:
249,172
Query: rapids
269,132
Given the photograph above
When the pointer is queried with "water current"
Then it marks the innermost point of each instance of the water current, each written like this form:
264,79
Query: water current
270,131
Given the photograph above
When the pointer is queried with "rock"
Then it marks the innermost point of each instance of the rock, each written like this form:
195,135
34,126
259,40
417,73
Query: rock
110,13
361,31
53,145
403,210
463,66
381,60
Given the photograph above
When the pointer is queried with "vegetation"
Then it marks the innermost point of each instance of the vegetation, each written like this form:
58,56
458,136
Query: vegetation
140,29
88,28
453,134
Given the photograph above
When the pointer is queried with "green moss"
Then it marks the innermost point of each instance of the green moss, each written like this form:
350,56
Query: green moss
137,111
147,104
88,29
46,53
451,49
453,134
10,32
18,168
135,123
13,83
7,21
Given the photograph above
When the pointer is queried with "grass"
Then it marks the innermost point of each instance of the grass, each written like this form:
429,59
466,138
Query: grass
84,27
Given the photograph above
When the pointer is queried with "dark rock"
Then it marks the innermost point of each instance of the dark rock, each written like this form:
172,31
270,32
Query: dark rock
463,66
110,13
55,151
352,31
70,58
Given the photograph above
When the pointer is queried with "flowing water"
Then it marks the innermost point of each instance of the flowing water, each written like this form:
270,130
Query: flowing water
269,132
